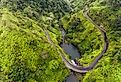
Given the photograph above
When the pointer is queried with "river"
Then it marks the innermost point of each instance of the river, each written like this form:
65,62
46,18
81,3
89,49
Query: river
73,52
71,78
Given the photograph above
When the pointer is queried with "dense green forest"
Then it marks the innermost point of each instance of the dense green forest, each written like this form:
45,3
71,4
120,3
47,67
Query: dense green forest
26,54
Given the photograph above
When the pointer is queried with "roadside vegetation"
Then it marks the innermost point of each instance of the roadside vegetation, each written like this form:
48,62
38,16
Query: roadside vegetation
27,56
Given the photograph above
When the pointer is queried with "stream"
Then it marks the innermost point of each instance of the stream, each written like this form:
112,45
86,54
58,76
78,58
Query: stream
69,49
71,78
73,52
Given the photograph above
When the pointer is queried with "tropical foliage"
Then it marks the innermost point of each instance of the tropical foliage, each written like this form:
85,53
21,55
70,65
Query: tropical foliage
26,54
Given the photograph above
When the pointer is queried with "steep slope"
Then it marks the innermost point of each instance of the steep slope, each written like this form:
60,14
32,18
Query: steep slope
26,54
88,39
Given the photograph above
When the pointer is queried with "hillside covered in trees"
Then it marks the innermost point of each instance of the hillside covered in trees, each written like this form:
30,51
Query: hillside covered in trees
27,55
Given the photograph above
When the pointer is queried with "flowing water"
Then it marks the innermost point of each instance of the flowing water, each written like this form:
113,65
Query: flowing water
73,52
71,78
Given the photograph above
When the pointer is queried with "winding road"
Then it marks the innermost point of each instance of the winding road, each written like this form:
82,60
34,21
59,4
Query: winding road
78,68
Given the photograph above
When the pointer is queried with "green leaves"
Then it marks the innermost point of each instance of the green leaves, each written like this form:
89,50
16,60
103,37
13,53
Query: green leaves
53,65
25,54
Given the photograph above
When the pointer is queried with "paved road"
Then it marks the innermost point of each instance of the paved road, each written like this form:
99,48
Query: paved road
78,68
